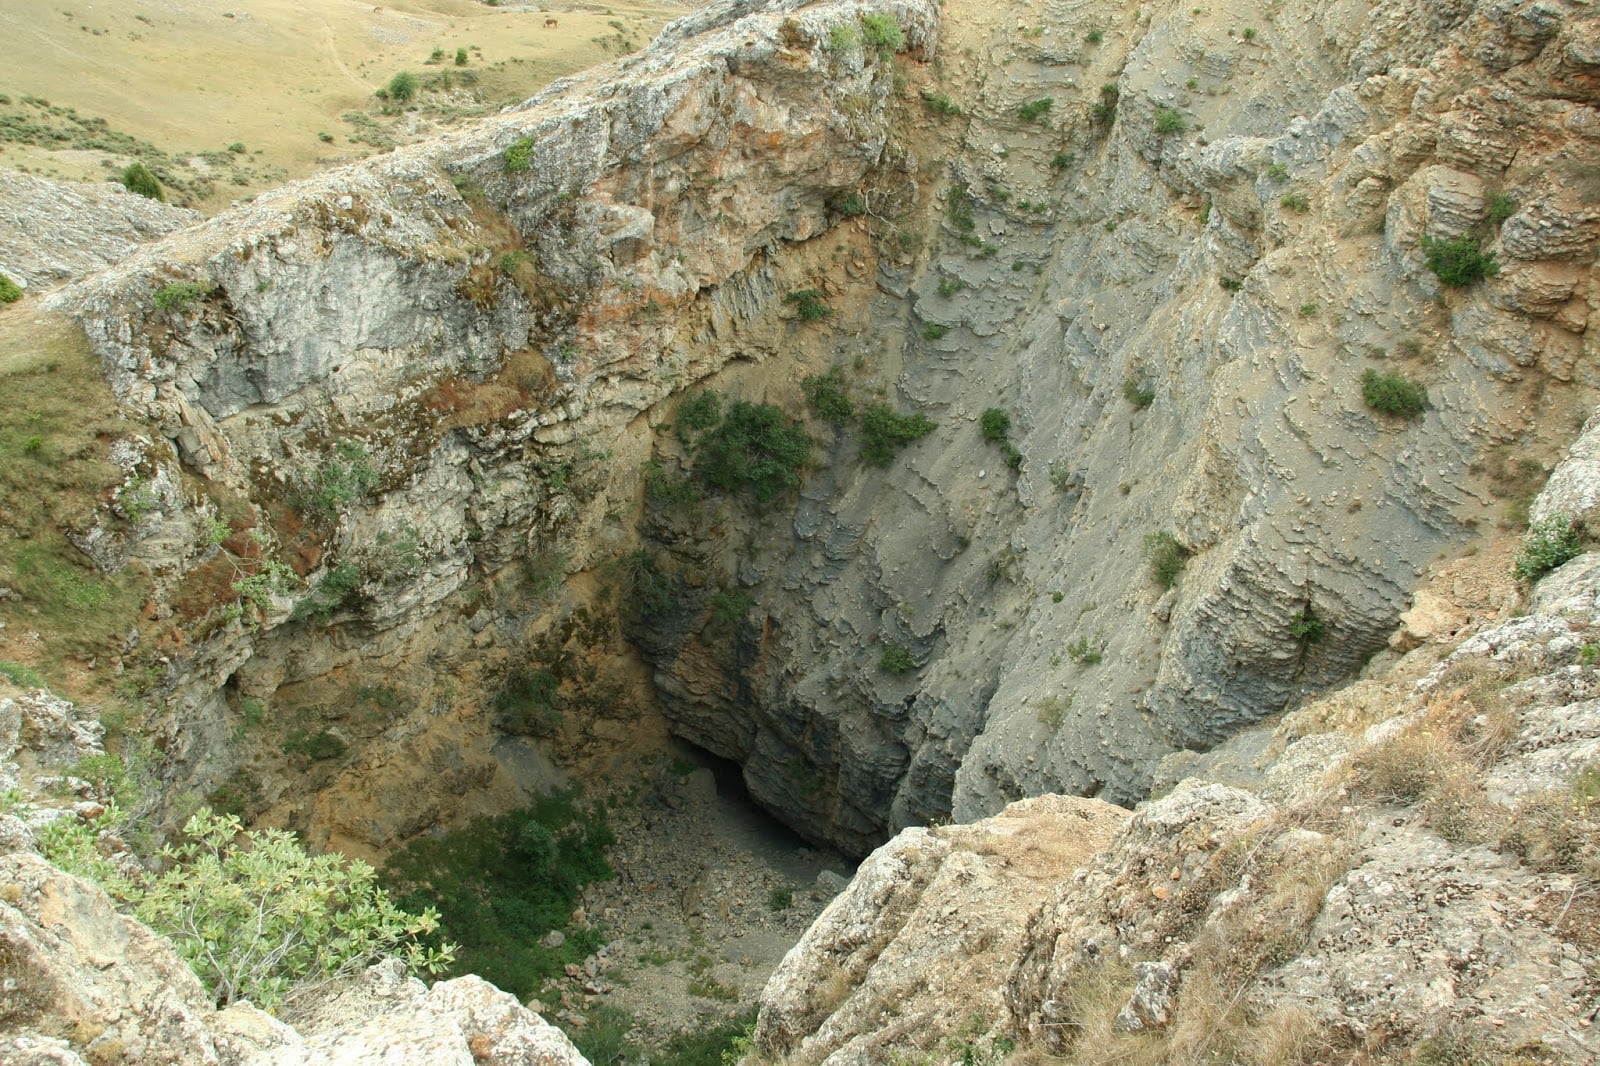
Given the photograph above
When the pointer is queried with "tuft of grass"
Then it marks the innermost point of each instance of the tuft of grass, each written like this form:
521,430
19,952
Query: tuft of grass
932,331
1138,393
939,103
1501,207
1393,394
1034,110
1296,202
1104,111
809,304
1169,120
1165,558
882,33
10,291
20,675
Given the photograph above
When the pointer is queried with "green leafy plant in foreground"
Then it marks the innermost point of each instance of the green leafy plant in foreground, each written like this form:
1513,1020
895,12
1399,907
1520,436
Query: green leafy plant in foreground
260,919
1550,542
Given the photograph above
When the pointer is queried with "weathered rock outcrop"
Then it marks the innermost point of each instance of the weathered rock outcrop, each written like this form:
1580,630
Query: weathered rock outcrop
55,231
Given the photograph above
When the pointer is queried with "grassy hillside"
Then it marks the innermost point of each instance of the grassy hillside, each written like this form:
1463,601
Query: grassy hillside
226,98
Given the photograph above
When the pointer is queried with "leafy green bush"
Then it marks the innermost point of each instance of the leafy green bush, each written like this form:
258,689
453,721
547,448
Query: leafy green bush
851,205
1549,542
729,607
10,291
261,920
180,294
1295,202
995,423
1169,120
504,882
932,331
881,32
959,211
827,397
949,286
519,157
698,412
842,38
136,177
939,103
1459,261
651,592
1085,652
461,57
1034,110
896,659
402,87
342,478
330,593
315,747
1393,394
809,304
755,447
780,898
1061,160
1306,627
1165,557
883,432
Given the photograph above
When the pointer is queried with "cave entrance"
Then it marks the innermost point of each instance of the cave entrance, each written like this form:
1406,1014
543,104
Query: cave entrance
743,820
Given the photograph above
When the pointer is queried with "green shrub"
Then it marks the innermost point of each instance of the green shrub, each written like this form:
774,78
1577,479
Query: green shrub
809,304
755,447
995,423
780,898
1295,202
1549,542
315,747
1501,207
698,412
896,659
729,607
1094,37
330,593
949,286
828,398
180,294
1169,120
1061,160
259,919
932,331
1278,172
939,103
650,591
1165,557
502,883
461,57
342,478
882,32
1459,261
1138,393
959,209
1231,284
402,87
666,488
1393,394
136,177
1034,110
10,291
883,432
519,157
842,38
1085,652
850,205
1306,627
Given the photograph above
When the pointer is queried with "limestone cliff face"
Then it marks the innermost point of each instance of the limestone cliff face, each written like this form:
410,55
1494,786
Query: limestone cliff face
429,384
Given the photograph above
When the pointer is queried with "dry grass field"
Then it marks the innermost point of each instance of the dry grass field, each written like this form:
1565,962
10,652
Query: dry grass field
223,98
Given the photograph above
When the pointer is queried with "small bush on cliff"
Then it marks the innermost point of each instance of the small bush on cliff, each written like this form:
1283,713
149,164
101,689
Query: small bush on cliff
828,398
1550,542
1459,261
882,33
259,919
136,177
402,87
180,294
1034,110
1393,394
884,432
519,157
756,447
1165,557
10,291
809,304
341,478
896,659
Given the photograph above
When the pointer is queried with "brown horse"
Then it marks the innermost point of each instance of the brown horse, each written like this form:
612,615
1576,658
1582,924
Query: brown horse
549,24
